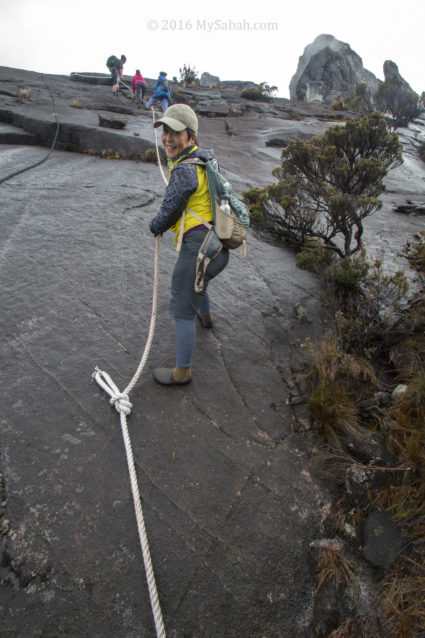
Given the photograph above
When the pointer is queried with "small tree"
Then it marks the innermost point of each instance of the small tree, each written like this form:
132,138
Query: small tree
328,185
399,104
188,75
266,89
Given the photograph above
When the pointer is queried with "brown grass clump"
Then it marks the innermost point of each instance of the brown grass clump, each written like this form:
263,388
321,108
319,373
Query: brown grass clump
23,94
407,434
331,565
150,156
338,377
350,629
339,105
404,600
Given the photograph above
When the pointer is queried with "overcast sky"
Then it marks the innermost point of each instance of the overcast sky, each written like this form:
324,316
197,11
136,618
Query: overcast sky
261,42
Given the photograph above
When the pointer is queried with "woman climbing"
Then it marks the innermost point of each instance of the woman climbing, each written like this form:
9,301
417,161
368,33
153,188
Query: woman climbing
187,190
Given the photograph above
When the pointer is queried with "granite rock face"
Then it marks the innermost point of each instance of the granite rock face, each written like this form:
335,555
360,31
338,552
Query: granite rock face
391,71
329,69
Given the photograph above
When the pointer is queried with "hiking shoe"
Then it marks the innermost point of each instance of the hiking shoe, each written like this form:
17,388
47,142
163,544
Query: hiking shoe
172,376
206,321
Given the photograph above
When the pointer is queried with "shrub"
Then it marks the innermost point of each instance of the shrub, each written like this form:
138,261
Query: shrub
339,105
254,199
23,94
366,303
260,93
267,89
188,75
314,258
255,93
149,156
327,186
345,276
421,151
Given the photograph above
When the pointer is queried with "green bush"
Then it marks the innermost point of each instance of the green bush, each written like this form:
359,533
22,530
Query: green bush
254,199
328,185
314,258
255,93
260,93
346,275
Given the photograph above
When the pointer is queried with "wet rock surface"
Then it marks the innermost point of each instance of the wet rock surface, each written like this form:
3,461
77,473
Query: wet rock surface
230,497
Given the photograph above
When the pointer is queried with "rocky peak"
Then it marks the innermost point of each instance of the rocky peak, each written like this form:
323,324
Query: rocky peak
329,69
391,71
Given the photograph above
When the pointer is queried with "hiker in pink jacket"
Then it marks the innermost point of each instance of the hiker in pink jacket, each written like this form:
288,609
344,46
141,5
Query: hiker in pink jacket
138,84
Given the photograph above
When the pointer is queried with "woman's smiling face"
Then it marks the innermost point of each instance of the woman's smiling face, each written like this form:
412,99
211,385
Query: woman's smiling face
174,143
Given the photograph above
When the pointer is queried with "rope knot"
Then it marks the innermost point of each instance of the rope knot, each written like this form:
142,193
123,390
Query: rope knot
121,402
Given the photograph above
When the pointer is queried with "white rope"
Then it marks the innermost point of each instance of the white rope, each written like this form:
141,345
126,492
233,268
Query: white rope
121,402
157,149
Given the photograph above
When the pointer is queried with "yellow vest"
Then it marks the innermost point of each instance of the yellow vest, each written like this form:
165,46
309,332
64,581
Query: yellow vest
199,201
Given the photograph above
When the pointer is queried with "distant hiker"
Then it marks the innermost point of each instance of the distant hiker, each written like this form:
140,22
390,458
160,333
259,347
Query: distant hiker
138,84
187,189
161,92
116,68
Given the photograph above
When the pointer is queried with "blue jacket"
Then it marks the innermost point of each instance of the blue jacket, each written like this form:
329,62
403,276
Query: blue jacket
159,91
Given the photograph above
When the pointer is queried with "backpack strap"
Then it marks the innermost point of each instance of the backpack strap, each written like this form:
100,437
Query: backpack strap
199,162
181,232
207,252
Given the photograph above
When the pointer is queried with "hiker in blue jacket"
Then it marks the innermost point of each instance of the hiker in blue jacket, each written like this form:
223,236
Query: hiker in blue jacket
161,92
187,190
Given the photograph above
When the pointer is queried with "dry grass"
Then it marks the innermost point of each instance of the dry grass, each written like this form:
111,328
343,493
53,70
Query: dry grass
350,629
404,600
341,380
331,565
334,412
331,363
23,94
338,377
406,435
